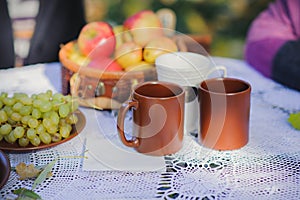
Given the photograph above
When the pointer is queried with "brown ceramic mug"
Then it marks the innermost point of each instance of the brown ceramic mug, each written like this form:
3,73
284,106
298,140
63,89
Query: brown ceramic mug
158,118
224,105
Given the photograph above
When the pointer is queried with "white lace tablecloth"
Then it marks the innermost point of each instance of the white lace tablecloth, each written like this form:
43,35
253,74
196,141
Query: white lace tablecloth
268,167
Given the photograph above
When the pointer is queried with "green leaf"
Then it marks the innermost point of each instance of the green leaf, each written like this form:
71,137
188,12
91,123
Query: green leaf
24,193
294,120
43,175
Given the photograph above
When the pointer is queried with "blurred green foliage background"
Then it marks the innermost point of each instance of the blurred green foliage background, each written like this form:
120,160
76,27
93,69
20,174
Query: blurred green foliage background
227,21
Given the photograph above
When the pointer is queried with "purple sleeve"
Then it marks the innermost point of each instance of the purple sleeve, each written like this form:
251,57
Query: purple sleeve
274,27
286,65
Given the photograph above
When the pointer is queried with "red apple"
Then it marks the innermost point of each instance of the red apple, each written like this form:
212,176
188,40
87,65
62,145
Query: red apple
105,64
144,26
96,39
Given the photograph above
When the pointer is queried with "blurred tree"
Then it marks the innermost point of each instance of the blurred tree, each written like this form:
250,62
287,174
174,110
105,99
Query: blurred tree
226,20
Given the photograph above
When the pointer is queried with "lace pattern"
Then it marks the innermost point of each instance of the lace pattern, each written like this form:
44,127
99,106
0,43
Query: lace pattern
268,167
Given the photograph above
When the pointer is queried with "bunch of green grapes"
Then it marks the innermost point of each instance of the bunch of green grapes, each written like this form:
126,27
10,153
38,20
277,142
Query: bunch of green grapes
39,118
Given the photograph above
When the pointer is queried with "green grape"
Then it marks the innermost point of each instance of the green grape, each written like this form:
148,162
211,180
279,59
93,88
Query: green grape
46,106
31,133
23,142
34,96
72,118
37,103
58,97
35,141
45,138
19,132
62,121
69,127
3,116
33,123
52,129
6,138
68,98
43,96
8,110
55,105
56,137
49,93
63,110
46,114
54,117
5,129
65,130
25,119
36,113
11,122
3,95
47,122
16,117
1,104
26,100
1,137
40,129
19,95
25,110
8,101
17,106
10,138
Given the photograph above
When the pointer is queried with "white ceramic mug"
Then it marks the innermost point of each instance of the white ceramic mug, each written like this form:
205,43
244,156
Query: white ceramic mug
188,70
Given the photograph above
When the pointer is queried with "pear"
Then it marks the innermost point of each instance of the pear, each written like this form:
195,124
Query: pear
157,47
128,54
141,66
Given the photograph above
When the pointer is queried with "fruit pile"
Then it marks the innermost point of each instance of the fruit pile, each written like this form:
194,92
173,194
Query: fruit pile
39,118
134,45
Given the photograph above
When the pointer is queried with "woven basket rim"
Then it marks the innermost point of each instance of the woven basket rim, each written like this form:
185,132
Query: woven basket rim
92,72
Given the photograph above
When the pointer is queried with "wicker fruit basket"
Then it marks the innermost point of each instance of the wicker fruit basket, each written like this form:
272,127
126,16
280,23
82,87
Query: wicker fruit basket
109,89
96,88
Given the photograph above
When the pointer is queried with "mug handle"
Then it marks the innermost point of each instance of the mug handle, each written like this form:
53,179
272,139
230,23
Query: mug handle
134,142
217,68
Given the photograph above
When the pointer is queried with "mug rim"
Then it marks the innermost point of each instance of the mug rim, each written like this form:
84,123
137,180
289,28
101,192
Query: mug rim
185,56
163,83
181,53
223,79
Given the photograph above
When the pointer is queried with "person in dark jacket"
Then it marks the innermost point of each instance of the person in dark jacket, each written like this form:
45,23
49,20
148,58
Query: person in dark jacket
57,22
273,43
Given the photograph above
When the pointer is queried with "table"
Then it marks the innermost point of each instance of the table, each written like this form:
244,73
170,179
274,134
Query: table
268,167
